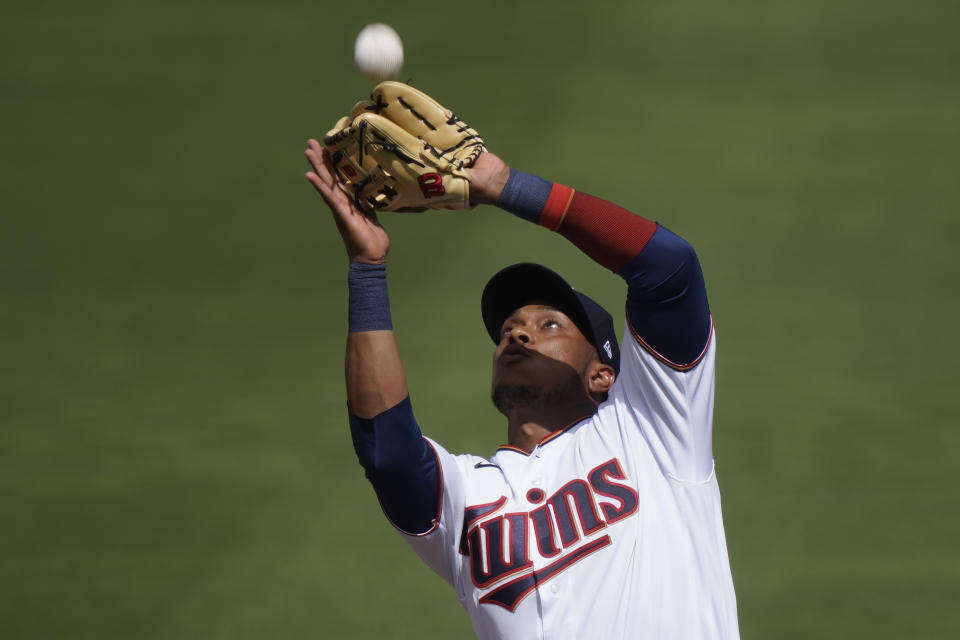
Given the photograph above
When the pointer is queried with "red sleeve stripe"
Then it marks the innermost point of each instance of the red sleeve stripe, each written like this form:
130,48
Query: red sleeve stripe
609,234
556,208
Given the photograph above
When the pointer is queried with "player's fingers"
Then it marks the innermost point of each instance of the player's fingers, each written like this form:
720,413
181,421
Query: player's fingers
328,172
327,161
323,177
329,195
313,153
330,189
317,182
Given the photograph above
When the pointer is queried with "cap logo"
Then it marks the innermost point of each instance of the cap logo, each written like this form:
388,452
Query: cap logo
608,349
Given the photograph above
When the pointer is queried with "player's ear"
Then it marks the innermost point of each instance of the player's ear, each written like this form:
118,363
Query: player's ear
601,378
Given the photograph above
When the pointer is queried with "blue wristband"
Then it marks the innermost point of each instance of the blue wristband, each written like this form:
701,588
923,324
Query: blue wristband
369,305
525,195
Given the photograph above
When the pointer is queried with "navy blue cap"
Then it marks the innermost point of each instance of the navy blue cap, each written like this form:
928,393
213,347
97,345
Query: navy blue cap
526,282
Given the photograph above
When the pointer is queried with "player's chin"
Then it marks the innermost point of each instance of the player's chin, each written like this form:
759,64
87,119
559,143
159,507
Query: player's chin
509,395
515,371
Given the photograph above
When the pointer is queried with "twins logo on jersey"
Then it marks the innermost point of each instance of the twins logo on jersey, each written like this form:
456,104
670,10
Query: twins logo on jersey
498,543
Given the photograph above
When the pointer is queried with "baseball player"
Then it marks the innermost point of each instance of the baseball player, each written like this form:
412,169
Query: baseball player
600,517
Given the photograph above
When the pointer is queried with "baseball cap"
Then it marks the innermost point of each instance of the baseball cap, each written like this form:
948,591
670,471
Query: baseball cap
519,284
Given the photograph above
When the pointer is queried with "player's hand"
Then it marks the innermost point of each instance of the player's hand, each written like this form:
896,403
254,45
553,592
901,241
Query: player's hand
363,237
488,177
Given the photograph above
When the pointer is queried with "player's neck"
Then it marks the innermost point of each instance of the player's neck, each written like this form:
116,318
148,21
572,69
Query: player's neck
526,426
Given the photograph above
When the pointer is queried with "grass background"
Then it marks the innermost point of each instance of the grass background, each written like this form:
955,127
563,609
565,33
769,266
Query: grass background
174,458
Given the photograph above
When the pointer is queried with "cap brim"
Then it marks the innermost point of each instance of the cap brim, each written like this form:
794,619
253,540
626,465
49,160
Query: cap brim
524,283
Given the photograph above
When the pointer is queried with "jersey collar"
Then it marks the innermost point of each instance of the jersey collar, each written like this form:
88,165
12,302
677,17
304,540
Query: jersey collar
550,437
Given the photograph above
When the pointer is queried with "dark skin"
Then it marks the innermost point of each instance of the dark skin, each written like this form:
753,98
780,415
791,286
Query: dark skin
561,380
543,360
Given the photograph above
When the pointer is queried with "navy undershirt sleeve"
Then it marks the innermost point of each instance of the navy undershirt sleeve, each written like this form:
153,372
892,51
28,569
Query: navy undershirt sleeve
401,466
667,300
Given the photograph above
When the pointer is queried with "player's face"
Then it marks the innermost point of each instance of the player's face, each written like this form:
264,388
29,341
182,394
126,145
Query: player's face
541,351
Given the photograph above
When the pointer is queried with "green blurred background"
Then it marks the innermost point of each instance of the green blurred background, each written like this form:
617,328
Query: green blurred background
174,457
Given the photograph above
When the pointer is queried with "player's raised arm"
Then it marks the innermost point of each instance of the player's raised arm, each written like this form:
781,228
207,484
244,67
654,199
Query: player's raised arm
666,298
374,372
398,461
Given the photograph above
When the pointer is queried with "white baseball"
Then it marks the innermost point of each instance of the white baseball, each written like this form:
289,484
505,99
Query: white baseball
378,52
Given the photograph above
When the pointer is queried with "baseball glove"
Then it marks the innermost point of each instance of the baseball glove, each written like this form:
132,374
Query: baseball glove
403,151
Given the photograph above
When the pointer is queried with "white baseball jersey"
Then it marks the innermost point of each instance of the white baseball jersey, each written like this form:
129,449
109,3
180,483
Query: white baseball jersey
608,529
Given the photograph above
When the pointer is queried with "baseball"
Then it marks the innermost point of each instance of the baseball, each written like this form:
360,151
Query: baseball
378,52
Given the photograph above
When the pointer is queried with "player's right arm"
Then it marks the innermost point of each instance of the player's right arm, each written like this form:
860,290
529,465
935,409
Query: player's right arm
398,461
374,372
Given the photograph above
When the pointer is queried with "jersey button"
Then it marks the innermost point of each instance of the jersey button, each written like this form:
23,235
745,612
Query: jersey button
554,588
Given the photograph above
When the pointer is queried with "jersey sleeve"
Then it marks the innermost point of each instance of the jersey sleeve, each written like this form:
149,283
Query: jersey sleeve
438,547
671,408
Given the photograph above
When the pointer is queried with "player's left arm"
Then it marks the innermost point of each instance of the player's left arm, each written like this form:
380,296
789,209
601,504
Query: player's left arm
667,305
667,310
